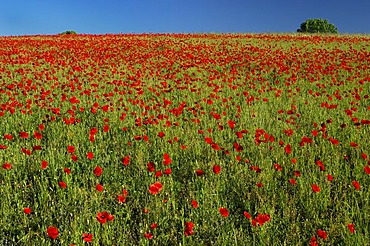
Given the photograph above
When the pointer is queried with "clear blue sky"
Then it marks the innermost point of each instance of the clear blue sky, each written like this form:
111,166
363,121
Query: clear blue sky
25,17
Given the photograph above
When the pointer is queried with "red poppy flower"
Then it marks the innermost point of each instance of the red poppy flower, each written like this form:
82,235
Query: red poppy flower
354,145
62,185
278,167
67,170
126,160
148,235
26,151
158,173
106,128
262,218
351,228
3,146
99,187
44,164
255,168
238,147
90,155
224,212
199,172
74,158
305,140
259,185
321,234
23,135
8,136
314,242
367,169
194,204
71,149
297,173
168,171
231,124
41,127
93,131
155,188
288,149
247,215
315,188
37,135
87,237
98,171
330,178
315,133
293,181
102,217
121,199
137,138
254,222
161,134
167,160
151,166
52,232
7,166
189,229
27,210
364,156
356,184
216,169
153,226
334,141
320,164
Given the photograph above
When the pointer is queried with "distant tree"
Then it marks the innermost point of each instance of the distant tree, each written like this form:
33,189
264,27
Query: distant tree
68,32
317,26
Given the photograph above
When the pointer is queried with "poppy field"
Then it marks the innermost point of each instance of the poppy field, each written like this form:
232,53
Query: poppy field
185,139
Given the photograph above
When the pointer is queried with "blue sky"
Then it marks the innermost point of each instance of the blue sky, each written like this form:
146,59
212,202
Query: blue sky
27,17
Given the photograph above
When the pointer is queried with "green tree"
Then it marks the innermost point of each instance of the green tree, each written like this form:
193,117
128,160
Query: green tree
317,26
69,32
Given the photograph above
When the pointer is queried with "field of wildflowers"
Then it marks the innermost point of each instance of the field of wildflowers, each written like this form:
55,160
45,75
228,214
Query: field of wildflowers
185,139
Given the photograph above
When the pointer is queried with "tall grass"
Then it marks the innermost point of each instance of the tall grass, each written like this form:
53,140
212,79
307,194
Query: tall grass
114,95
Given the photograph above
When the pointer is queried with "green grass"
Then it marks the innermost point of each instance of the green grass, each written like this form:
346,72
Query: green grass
273,84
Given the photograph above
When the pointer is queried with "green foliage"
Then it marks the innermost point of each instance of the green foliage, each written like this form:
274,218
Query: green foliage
317,26
68,32
278,89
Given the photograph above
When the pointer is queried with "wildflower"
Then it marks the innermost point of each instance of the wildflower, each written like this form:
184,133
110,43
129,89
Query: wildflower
189,228
224,212
87,237
7,166
216,169
321,234
315,188
98,171
155,188
52,232
351,228
356,184
90,155
194,204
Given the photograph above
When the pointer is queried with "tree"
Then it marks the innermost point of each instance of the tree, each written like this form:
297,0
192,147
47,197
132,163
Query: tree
69,32
317,26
